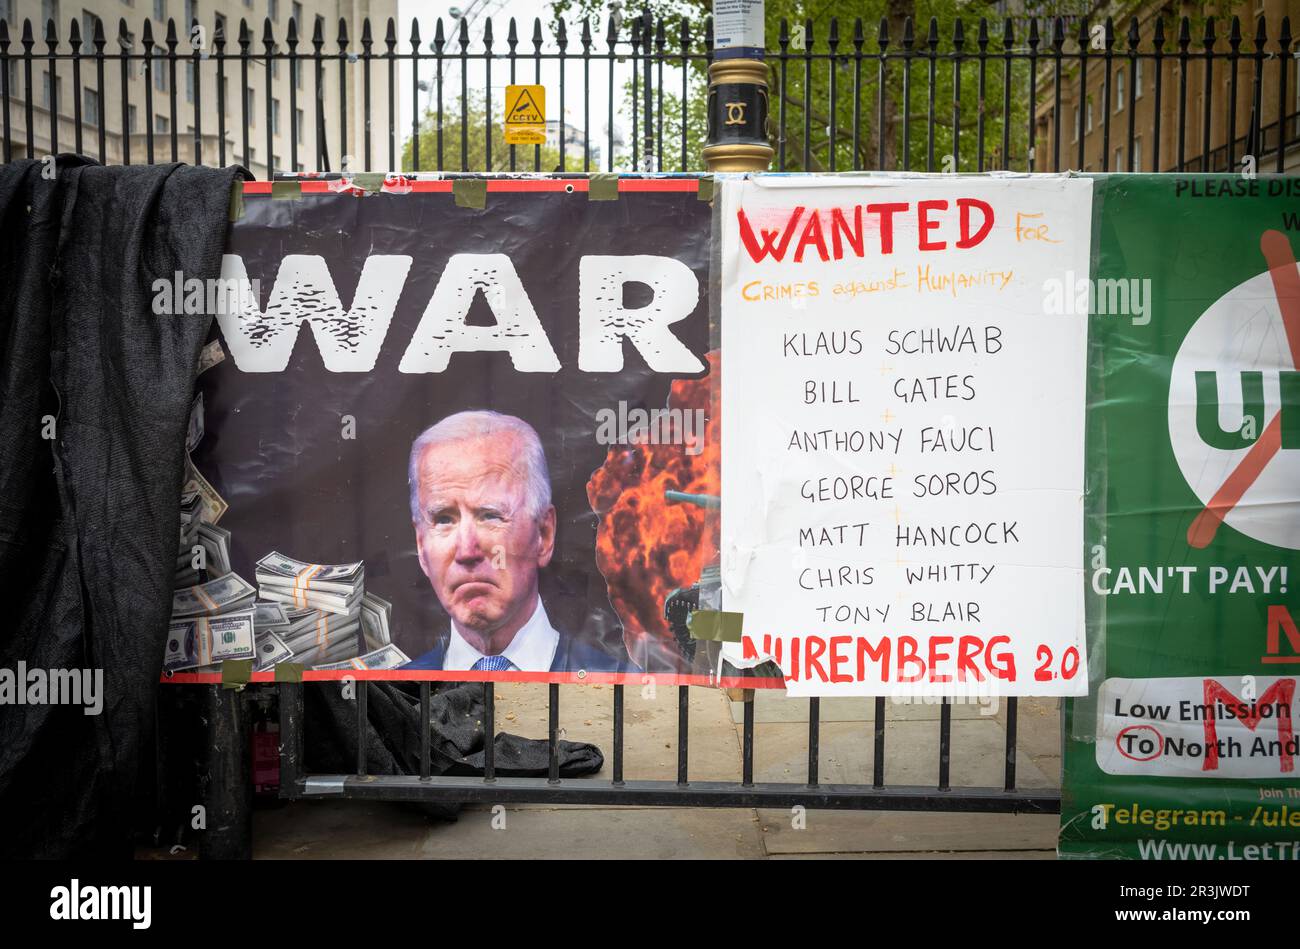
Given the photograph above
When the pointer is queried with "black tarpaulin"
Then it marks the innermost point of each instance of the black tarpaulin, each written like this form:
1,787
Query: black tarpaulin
392,736
89,503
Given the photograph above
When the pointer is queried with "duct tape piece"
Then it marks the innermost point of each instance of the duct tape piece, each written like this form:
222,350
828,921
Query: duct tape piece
237,201
236,673
368,181
716,625
603,186
286,190
470,192
706,188
288,672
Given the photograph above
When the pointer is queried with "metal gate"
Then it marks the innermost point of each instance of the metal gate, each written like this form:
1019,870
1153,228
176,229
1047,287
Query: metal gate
1023,93
1028,94
682,791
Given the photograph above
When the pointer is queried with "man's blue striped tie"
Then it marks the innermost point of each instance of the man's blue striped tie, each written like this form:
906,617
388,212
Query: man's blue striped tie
491,664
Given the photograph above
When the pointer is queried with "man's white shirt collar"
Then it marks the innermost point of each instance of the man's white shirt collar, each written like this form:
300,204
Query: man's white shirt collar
532,649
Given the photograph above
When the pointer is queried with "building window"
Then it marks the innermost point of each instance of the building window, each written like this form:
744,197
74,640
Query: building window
131,64
1119,159
159,70
275,69
1137,154
1076,124
1119,91
1137,79
250,103
90,106
225,93
297,125
160,10
189,80
273,9
49,11
130,118
87,31
191,14
52,91
1088,128
275,116
7,13
297,13
160,125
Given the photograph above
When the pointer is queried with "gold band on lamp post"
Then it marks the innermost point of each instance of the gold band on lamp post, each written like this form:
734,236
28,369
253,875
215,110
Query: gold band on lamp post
738,116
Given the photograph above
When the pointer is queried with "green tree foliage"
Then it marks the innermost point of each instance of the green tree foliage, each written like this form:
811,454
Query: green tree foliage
472,128
921,112
669,121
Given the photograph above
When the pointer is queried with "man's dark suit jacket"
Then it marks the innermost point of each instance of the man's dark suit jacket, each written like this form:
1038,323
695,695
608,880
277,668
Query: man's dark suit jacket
571,655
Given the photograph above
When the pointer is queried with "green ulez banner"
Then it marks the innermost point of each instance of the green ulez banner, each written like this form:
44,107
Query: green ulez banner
1185,746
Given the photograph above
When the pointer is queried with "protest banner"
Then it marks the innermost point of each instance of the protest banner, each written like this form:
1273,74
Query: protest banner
902,409
459,429
1185,746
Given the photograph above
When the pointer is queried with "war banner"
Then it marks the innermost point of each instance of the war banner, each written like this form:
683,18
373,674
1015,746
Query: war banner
456,430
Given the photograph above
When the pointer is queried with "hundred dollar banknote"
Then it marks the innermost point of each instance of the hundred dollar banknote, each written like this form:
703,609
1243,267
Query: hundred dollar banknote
210,355
270,650
203,640
270,615
387,657
213,505
276,569
222,595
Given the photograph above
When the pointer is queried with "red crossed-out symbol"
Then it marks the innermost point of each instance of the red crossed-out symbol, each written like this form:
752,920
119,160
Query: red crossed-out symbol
1286,287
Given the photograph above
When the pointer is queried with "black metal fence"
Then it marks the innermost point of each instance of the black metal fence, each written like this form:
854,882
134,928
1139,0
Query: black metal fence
1022,94
682,791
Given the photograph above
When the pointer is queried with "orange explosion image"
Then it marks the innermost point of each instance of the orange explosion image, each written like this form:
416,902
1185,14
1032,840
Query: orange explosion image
646,545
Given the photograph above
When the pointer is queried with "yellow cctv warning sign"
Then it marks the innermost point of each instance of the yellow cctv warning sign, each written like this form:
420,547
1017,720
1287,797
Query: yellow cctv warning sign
525,115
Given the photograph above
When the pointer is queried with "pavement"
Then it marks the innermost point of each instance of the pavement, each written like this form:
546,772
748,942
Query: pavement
352,829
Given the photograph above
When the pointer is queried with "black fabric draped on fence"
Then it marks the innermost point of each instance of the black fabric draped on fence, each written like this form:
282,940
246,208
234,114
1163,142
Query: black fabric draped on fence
95,390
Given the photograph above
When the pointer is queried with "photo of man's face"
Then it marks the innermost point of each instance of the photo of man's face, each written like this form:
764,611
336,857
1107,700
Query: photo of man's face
480,540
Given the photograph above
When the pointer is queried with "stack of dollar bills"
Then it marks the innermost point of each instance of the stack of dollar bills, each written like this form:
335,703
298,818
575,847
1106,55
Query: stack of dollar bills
376,622
204,552
313,614
269,620
332,588
318,615
386,657
211,622
379,651
212,607
317,638
186,573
